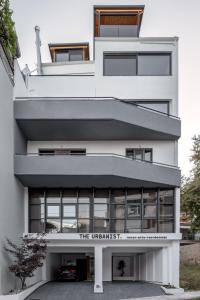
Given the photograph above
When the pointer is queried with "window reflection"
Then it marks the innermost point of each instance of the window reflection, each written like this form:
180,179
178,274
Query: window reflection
133,226
149,226
101,225
83,225
150,196
134,211
69,225
53,211
53,225
69,211
102,210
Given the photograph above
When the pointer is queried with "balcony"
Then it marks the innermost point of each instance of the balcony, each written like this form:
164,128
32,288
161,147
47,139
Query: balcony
92,119
99,170
124,21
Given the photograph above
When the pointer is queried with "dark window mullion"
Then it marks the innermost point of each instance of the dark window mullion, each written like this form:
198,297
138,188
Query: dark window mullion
61,210
126,211
158,210
142,210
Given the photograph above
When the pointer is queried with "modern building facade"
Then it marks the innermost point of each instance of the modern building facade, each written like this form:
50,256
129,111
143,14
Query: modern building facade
96,151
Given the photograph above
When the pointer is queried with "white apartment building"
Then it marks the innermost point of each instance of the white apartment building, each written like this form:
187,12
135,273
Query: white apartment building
96,152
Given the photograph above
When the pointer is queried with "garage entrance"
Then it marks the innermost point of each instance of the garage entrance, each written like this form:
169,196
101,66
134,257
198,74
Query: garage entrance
71,266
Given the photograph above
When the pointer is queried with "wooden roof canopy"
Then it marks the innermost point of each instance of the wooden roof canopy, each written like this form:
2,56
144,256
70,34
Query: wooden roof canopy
69,46
123,15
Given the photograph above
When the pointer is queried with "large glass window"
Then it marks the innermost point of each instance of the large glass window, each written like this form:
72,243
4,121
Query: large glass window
137,64
101,210
120,65
154,64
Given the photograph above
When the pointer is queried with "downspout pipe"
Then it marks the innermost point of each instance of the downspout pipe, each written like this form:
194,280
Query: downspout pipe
38,45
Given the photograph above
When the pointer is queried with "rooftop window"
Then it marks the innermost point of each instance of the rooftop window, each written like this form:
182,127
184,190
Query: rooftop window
69,52
118,21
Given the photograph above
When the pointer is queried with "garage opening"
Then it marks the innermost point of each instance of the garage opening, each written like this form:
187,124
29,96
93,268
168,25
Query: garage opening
70,267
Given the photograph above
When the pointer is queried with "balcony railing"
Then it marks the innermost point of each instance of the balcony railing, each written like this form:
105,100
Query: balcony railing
118,31
129,102
103,155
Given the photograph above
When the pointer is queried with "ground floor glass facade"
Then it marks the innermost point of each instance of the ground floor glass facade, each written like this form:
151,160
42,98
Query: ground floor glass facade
101,210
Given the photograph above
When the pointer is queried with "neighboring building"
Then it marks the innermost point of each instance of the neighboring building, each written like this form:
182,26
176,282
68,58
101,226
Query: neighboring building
11,190
185,228
97,153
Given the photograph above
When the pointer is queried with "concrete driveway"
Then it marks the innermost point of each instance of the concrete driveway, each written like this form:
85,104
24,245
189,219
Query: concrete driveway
84,291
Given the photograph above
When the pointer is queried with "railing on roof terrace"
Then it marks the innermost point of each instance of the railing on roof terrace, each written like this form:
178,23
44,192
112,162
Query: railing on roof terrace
98,155
129,102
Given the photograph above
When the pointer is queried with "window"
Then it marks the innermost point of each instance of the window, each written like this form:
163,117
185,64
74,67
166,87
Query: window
150,196
119,65
117,226
69,225
62,151
65,55
149,225
53,211
69,52
133,226
154,64
137,64
139,154
69,211
134,211
101,210
150,211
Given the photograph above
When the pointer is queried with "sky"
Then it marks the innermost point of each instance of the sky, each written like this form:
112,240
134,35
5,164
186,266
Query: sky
72,20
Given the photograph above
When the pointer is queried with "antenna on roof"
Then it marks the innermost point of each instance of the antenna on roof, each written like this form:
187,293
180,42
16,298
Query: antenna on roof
38,45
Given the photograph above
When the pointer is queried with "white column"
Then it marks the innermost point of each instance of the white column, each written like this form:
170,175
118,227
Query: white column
26,216
177,206
98,269
165,265
175,262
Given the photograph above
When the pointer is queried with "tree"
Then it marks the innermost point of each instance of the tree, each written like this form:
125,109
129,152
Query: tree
190,191
28,256
8,35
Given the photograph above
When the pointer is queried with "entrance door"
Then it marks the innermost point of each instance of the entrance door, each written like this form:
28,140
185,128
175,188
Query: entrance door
123,267
82,268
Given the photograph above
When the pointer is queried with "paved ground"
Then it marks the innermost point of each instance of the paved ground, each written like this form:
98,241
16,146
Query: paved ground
84,291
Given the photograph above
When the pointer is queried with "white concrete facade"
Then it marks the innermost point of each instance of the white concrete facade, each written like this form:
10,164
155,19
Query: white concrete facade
152,257
11,190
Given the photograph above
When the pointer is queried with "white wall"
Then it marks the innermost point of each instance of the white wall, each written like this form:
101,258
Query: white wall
81,67
53,261
163,151
11,191
124,87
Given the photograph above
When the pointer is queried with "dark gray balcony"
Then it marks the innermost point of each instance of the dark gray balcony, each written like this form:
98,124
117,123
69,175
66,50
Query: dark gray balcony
92,119
99,170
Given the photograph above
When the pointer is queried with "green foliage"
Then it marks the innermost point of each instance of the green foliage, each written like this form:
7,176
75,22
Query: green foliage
190,192
8,35
190,277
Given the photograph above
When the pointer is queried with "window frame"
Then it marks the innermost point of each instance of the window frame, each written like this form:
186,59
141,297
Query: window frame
110,218
137,54
143,154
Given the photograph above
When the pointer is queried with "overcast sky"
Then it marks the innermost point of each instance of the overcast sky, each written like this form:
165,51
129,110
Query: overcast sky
71,21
